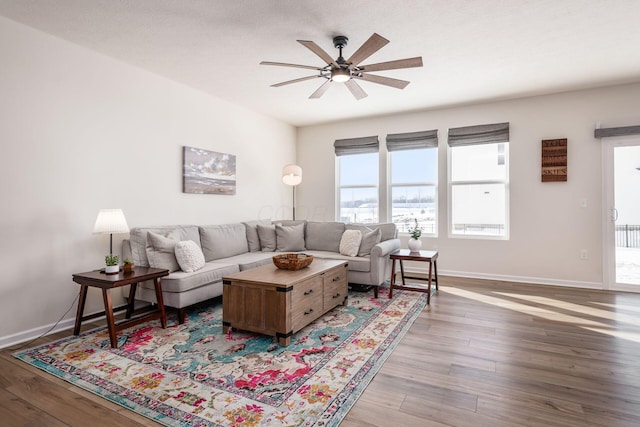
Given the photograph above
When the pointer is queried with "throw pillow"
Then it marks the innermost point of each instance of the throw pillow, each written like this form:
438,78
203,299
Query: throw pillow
369,240
350,242
267,235
290,238
252,233
189,256
161,251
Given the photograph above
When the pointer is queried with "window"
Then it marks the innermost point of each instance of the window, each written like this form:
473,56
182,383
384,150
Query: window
479,180
358,179
413,180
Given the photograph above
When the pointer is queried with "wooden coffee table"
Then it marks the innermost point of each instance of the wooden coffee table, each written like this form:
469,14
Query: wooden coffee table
278,302
107,282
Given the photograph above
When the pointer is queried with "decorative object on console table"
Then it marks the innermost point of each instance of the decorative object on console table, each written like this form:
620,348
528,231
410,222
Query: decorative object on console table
208,172
128,265
292,175
414,242
112,264
554,160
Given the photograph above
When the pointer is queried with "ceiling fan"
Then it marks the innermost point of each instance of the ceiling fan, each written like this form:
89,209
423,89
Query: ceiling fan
349,71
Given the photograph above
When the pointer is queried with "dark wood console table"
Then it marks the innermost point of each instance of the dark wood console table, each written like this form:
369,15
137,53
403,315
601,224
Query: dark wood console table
422,256
107,282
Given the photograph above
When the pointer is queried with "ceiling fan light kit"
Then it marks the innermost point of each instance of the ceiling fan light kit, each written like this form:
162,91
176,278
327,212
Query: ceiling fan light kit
348,71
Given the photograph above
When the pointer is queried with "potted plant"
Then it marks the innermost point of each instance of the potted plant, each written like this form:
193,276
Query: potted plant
414,242
128,265
112,262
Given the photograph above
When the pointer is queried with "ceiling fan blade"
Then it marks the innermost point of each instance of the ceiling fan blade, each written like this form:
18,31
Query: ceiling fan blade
355,89
393,65
371,46
321,90
282,64
387,81
301,79
319,51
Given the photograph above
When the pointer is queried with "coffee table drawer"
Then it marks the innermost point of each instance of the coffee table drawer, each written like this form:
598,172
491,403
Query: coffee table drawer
307,290
334,294
306,312
335,287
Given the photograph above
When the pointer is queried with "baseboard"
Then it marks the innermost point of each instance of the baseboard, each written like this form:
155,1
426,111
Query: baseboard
517,279
31,334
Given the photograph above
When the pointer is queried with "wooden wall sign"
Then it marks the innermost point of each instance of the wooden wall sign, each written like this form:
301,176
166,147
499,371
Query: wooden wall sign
554,160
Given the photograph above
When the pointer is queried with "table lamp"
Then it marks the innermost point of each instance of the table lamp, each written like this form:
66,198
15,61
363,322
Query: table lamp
110,221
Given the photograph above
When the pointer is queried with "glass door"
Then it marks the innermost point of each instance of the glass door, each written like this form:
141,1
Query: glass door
623,216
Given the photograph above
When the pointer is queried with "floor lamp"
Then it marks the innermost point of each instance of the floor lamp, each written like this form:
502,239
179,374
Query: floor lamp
292,175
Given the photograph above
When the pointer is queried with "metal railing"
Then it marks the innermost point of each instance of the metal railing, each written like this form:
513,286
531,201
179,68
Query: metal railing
627,236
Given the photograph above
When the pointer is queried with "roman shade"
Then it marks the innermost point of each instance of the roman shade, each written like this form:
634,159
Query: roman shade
412,140
480,134
364,145
619,131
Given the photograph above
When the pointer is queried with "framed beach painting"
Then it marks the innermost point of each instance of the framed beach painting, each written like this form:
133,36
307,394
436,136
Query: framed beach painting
208,172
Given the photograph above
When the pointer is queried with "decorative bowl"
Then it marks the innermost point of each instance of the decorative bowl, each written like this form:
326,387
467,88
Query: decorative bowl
292,261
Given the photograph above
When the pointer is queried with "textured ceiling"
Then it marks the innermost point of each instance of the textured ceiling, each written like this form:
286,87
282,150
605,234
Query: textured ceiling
473,51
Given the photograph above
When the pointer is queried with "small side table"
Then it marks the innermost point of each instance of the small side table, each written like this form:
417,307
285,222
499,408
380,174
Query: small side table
423,256
107,282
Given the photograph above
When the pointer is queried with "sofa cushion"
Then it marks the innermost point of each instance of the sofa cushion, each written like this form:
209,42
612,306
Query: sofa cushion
388,229
181,281
290,222
222,241
370,237
350,242
138,239
369,240
251,260
161,251
290,237
267,234
189,256
362,264
253,240
324,236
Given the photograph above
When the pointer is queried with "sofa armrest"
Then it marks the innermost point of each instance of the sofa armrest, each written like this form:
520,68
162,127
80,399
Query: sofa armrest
385,248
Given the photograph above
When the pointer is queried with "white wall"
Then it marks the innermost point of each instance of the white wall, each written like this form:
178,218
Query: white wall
548,228
80,132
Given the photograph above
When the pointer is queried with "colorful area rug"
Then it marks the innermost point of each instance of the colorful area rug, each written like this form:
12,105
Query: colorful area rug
193,375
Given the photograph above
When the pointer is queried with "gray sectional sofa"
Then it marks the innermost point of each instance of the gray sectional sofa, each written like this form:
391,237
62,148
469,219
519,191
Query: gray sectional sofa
230,248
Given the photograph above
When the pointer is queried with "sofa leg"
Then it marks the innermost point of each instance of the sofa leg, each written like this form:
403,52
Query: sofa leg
181,315
375,291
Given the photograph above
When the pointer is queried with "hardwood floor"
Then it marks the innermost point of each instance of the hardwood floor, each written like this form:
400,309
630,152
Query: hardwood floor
483,353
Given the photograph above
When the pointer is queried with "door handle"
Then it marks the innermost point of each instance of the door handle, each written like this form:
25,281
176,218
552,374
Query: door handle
614,214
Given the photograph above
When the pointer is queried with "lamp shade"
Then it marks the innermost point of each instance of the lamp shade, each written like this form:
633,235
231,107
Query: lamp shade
110,221
292,174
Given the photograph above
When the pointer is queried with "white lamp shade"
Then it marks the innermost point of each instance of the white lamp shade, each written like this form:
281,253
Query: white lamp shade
110,221
292,174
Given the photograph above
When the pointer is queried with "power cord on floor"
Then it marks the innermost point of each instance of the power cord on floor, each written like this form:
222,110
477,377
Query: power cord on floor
28,343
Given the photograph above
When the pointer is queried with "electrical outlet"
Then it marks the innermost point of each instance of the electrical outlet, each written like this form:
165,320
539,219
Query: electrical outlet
583,203
584,254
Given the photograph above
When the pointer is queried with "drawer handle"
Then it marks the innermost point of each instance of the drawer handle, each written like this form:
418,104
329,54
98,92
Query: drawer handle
309,292
337,278
336,296
306,313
